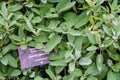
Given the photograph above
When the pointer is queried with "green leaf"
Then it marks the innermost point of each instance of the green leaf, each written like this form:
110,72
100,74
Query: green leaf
98,40
21,32
77,72
38,78
58,63
92,78
16,72
30,26
91,48
56,56
8,48
64,5
78,43
51,74
111,76
4,60
116,67
90,54
81,1
32,74
59,69
74,32
107,30
52,43
107,43
23,47
91,38
81,20
114,4
77,54
35,10
37,19
15,7
50,15
103,73
85,61
114,55
68,77
4,11
44,1
68,53
99,62
97,25
71,66
11,60
15,38
70,17
2,21
12,23
70,38
54,1
53,24
2,77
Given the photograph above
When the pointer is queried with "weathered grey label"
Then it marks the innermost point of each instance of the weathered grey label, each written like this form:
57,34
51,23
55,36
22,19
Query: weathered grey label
32,57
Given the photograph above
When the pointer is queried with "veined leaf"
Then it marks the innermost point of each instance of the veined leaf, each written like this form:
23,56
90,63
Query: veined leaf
30,26
78,43
74,32
37,19
91,38
4,60
52,43
85,61
58,63
15,38
11,61
16,72
107,30
81,20
65,5
99,62
53,24
107,43
70,17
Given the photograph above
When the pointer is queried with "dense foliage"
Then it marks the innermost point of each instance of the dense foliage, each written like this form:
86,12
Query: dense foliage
84,36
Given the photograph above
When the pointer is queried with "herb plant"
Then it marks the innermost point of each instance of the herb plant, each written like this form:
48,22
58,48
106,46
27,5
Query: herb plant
84,36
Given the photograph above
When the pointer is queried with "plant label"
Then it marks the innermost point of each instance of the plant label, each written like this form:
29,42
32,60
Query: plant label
32,57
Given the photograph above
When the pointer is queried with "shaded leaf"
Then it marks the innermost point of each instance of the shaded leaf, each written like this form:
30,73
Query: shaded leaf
16,72
15,7
111,76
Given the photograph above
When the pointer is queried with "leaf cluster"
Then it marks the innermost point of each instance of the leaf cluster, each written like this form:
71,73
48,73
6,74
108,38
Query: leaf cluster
84,36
